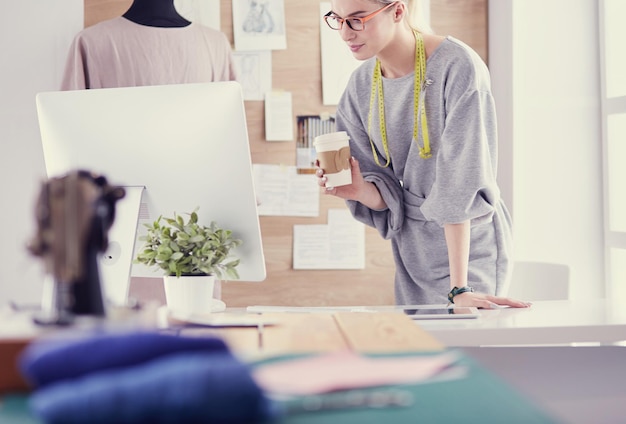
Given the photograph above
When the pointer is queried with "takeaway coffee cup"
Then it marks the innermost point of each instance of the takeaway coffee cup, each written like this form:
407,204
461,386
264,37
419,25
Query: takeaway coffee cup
333,154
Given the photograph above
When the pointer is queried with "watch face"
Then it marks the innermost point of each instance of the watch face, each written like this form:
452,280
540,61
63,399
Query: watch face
457,290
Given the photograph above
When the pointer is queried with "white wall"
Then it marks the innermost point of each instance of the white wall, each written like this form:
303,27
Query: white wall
501,67
545,65
34,39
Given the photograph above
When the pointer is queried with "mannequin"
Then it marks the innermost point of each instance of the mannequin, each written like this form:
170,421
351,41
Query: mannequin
155,13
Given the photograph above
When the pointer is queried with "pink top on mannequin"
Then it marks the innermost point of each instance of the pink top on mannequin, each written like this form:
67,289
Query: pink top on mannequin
151,44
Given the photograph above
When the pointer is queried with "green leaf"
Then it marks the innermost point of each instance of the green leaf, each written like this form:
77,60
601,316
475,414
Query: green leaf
188,248
177,256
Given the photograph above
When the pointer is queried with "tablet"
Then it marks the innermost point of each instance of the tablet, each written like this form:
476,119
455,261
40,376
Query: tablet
442,313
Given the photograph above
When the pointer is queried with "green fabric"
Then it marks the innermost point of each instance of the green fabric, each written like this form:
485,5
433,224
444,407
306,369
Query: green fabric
14,410
480,397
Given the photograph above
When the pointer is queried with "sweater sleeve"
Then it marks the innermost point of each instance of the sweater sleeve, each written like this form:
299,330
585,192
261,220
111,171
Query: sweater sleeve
387,221
465,185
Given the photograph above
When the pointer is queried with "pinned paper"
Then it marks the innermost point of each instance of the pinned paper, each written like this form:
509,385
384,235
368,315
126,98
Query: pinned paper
278,116
340,244
254,73
281,191
259,25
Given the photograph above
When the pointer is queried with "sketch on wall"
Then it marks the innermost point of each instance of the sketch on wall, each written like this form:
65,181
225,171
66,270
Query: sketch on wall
254,70
259,25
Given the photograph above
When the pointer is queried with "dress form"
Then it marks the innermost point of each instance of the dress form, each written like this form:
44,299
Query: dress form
155,13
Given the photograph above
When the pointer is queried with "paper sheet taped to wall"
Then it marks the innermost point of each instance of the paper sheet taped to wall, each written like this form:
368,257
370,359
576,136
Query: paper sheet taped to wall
340,244
281,191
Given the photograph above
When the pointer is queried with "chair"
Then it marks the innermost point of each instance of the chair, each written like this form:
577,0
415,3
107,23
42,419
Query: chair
539,281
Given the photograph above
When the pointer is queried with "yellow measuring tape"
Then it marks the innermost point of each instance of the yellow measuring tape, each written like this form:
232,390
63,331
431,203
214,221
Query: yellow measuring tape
419,107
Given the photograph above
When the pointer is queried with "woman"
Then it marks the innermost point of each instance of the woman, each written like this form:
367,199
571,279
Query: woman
422,127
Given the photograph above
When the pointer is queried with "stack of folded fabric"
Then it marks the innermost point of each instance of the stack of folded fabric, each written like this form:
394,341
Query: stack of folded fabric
141,377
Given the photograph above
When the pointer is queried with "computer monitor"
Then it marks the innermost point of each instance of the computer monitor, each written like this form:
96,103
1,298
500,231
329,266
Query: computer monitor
174,148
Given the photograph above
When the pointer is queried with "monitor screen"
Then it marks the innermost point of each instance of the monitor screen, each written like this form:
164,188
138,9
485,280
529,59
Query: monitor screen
174,148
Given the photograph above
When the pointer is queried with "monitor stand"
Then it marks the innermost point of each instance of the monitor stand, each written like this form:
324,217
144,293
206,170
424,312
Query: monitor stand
116,262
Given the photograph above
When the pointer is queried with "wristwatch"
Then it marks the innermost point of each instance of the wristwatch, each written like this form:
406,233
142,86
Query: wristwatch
458,290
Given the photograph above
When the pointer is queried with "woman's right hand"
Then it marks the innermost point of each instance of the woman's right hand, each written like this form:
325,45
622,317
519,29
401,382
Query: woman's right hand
360,190
348,192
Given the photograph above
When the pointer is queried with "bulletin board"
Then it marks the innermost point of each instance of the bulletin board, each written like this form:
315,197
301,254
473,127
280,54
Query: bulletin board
297,69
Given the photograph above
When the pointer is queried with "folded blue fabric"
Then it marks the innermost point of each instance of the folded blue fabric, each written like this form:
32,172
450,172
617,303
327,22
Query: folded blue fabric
182,388
45,362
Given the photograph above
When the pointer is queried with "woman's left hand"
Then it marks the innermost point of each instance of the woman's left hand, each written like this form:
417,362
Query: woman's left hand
486,301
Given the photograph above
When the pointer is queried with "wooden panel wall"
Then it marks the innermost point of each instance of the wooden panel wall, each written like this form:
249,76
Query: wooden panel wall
298,70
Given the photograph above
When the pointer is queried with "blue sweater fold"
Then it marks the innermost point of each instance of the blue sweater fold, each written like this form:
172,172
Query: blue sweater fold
142,377
48,361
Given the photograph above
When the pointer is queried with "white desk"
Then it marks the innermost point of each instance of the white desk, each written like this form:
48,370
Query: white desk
577,385
546,322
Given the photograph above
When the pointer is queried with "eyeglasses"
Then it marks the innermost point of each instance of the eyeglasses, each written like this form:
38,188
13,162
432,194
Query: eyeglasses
355,24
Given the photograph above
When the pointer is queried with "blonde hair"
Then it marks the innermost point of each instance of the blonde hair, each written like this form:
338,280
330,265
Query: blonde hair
418,13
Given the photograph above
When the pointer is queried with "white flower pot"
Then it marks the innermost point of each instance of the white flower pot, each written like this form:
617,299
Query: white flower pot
191,295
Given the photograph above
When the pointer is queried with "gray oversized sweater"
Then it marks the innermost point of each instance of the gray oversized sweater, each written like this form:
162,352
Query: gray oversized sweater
457,183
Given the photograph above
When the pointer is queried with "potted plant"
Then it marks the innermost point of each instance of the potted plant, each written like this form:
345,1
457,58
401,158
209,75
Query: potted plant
192,256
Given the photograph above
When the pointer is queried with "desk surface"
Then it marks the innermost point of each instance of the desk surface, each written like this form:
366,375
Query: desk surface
481,395
577,385
377,333
289,333
546,322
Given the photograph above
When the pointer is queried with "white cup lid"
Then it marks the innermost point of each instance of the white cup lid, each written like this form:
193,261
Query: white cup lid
324,138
